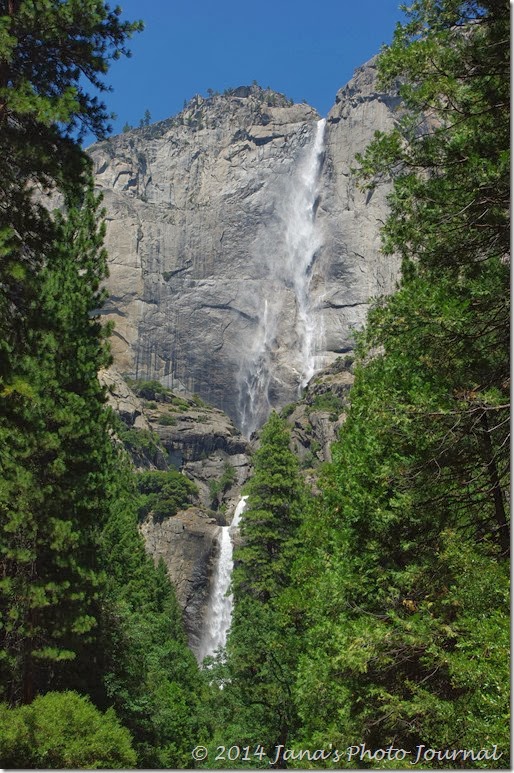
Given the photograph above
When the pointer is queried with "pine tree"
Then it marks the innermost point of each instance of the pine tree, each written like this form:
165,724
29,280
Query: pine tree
271,515
54,444
263,642
149,673
56,466
50,54
146,119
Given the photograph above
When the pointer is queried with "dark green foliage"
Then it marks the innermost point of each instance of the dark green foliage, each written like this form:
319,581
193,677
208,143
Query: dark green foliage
154,390
150,675
55,467
328,402
82,605
150,390
271,516
146,119
263,642
63,730
54,445
143,446
167,420
52,55
163,493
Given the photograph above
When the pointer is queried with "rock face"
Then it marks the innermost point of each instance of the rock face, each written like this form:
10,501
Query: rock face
351,269
242,254
202,442
188,545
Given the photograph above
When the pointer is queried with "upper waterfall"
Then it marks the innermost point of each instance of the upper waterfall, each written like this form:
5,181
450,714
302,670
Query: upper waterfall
242,254
288,248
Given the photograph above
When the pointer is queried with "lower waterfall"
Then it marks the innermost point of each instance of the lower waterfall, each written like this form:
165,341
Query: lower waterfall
219,612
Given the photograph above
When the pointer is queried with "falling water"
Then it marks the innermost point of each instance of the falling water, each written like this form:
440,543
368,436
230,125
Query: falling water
302,240
288,246
219,613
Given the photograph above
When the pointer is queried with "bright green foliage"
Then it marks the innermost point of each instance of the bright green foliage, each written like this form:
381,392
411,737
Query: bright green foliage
63,730
408,626
255,704
163,493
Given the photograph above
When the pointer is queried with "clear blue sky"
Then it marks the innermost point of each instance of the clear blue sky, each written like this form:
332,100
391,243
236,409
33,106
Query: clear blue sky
307,50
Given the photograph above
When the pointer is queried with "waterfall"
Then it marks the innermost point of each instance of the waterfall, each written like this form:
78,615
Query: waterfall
288,247
219,610
302,240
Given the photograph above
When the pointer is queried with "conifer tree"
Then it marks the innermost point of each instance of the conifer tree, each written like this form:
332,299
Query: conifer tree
263,642
54,446
149,674
57,465
52,56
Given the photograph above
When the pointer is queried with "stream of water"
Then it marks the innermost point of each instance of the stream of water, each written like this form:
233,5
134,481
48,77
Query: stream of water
219,611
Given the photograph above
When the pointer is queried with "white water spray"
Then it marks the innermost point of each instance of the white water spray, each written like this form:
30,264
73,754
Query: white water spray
302,240
288,247
219,613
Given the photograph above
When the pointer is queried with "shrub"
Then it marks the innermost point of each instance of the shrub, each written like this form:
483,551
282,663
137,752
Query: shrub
163,493
63,730
167,421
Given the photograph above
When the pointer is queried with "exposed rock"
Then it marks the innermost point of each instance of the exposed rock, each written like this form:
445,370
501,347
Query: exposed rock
316,419
197,236
187,543
196,232
122,399
351,269
206,446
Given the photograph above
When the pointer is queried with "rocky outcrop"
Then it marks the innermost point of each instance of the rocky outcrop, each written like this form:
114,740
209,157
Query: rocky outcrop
187,543
162,429
316,419
197,236
122,399
351,269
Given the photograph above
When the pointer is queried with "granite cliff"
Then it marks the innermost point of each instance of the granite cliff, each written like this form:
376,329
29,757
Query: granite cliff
242,257
162,430
214,286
